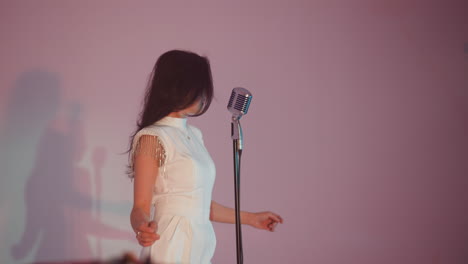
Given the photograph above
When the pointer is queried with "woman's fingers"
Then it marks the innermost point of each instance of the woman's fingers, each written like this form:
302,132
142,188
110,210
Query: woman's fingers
274,220
280,218
146,244
146,233
275,217
272,226
147,239
153,225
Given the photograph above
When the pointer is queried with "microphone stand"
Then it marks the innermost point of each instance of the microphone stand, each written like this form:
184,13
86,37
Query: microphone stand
236,135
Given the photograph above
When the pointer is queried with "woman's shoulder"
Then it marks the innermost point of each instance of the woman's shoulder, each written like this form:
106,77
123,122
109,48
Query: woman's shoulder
149,130
152,130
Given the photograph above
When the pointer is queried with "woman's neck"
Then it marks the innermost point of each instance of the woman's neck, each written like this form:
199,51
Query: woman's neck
178,114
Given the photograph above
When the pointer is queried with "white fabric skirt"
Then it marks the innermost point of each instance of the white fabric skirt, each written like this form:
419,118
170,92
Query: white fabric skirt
186,234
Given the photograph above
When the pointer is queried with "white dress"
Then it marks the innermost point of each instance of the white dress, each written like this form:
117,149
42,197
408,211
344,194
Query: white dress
181,195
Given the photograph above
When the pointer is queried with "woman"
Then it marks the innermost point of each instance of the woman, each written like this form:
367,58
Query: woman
173,172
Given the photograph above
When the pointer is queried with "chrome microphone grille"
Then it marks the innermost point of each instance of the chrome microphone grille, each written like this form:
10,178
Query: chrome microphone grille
239,101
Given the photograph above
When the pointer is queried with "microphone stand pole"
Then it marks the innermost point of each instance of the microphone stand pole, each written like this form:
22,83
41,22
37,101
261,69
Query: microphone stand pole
236,135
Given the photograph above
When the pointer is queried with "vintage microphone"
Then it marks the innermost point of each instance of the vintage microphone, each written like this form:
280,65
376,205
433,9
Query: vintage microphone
238,105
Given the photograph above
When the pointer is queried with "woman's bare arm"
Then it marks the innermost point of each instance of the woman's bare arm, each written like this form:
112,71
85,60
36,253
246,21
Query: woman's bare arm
147,156
223,214
262,220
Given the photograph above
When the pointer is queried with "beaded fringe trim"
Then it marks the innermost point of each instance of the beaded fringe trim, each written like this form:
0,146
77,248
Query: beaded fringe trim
149,145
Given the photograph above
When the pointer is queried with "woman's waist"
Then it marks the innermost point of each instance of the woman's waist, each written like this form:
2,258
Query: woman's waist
191,206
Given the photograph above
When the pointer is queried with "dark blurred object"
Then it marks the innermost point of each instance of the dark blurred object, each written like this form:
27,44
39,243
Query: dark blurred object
126,258
129,258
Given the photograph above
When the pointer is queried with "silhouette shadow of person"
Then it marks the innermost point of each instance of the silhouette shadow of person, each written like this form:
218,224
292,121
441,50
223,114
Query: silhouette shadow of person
59,197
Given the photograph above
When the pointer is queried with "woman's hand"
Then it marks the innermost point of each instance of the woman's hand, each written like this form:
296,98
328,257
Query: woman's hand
146,233
145,229
265,220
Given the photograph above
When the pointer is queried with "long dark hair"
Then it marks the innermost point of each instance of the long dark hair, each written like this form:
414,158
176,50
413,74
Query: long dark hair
179,78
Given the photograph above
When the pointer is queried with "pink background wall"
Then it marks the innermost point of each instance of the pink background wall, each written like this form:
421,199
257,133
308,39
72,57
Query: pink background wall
357,133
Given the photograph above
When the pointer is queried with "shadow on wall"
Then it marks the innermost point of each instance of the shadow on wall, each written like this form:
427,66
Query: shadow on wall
58,193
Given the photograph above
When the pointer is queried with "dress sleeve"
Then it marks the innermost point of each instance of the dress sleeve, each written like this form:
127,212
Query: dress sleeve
149,146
